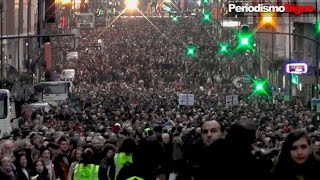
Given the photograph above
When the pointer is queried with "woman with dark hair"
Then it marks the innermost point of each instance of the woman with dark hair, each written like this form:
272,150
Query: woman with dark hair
86,169
106,162
40,172
296,160
21,163
46,156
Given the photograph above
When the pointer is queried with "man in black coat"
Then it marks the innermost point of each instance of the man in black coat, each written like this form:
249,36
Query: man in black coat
232,157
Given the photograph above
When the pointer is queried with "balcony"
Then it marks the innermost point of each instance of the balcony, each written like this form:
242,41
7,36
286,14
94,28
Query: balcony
310,18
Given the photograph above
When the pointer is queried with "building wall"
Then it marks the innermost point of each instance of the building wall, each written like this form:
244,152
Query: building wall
14,49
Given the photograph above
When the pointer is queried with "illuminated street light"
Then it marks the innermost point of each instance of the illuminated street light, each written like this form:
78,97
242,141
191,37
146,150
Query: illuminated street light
267,18
131,4
65,1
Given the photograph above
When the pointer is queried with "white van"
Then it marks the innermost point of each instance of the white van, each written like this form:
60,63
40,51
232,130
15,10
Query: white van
68,75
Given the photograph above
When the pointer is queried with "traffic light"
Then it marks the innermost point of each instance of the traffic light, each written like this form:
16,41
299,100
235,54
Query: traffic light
63,22
205,2
191,50
244,39
223,48
174,18
294,79
317,27
260,87
206,17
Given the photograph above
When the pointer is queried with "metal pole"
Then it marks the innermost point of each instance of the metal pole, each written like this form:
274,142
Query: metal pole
272,58
20,26
291,34
290,77
259,56
1,22
39,26
317,57
28,27
33,36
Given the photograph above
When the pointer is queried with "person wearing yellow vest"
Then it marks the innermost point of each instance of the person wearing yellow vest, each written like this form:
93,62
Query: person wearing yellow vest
124,159
86,170
135,178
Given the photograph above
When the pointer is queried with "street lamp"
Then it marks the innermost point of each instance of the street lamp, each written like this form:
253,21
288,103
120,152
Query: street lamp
131,4
268,20
64,1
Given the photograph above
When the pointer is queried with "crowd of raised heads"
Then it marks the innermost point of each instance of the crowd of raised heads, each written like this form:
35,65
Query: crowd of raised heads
124,120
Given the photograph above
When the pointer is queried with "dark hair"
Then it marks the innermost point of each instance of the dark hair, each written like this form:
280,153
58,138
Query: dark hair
128,146
52,145
42,149
62,139
242,134
18,156
45,172
108,147
222,128
285,160
87,156
73,142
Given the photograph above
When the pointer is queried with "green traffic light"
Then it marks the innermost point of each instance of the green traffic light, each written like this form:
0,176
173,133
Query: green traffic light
205,2
206,16
244,41
174,18
317,27
260,87
191,50
223,48
294,79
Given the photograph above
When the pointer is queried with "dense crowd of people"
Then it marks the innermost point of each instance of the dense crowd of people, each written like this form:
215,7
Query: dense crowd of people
125,120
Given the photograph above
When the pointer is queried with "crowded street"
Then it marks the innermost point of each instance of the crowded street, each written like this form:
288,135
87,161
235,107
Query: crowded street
156,98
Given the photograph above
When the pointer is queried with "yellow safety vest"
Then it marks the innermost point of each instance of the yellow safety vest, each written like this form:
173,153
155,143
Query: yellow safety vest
135,178
120,159
89,172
